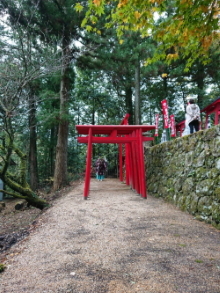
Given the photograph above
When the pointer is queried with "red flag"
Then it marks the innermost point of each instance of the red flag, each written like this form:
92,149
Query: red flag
164,105
172,126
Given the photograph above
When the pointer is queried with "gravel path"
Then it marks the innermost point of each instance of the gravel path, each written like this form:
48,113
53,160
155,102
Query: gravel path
114,242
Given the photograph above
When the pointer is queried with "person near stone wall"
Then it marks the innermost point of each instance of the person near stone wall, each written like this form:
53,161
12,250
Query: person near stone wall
193,118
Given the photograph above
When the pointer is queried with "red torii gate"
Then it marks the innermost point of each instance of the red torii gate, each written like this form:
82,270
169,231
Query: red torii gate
131,136
214,107
180,127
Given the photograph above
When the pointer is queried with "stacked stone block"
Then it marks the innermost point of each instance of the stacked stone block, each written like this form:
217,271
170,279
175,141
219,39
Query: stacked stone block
186,172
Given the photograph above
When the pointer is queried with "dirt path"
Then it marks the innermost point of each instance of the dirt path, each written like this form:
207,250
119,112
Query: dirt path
114,242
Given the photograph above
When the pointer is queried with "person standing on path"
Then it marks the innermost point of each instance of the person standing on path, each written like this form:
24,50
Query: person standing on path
192,116
101,167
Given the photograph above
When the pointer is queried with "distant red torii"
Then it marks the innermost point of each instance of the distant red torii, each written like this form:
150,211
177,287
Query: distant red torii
131,136
214,107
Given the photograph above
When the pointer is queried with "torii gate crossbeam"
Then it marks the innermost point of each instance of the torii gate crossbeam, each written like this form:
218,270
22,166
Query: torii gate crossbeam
132,137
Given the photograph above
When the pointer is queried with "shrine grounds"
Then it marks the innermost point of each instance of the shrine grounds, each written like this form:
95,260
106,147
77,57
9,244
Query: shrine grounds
114,242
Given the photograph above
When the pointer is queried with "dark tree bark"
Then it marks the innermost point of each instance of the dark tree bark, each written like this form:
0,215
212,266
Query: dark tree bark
200,80
128,103
52,151
17,180
60,174
33,144
137,104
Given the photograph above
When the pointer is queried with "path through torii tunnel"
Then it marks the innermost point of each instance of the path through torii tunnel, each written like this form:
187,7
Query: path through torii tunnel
129,135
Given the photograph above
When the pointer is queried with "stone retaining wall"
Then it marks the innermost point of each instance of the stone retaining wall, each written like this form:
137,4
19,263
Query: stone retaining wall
186,172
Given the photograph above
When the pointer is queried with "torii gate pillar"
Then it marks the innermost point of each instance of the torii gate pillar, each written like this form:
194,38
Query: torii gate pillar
88,164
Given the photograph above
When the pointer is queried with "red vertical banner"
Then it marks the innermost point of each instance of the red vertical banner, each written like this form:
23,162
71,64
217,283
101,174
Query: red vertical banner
164,105
172,126
156,124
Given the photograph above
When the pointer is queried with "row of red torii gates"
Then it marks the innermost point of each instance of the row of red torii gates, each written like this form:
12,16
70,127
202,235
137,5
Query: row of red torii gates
124,134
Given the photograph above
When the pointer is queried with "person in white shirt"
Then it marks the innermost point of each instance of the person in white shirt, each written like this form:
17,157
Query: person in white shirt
193,116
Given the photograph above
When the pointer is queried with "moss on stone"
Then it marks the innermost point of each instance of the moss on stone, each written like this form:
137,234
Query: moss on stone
216,181
193,141
193,208
205,206
209,161
178,184
214,173
188,202
169,183
217,193
188,186
171,170
210,134
186,171
217,163
216,213
199,159
205,187
169,197
201,173
189,158
181,202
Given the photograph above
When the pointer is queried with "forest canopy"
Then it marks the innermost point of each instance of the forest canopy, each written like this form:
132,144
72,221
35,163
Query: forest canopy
66,63
182,28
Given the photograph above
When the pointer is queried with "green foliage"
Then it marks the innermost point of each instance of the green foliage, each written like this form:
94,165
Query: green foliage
199,261
188,29
2,267
13,167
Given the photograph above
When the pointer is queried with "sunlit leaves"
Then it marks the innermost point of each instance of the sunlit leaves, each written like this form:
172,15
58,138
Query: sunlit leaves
164,75
137,14
97,2
189,25
122,3
88,28
78,7
206,42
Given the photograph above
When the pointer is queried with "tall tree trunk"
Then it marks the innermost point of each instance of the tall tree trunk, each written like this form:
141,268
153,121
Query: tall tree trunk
137,104
52,153
128,103
33,143
165,93
93,110
60,173
200,76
